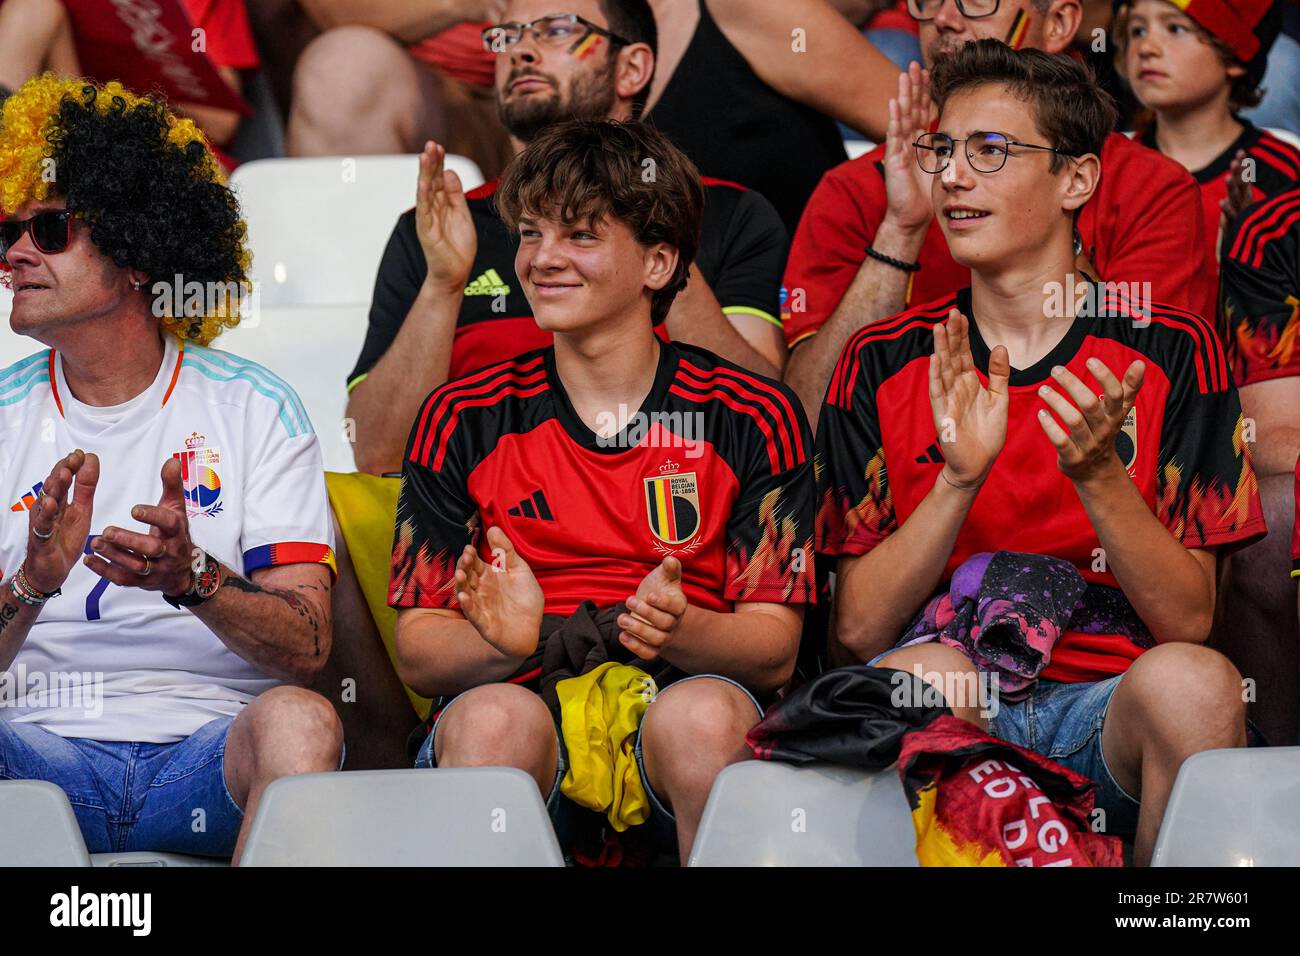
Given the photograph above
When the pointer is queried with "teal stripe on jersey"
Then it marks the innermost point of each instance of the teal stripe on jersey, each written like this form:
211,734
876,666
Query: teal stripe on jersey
18,394
232,363
12,377
209,363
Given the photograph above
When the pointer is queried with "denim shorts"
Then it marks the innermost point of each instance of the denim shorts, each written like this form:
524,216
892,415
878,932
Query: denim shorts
127,796
1063,721
661,822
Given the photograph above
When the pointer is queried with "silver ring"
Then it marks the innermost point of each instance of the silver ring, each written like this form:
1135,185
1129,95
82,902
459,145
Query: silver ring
43,537
147,570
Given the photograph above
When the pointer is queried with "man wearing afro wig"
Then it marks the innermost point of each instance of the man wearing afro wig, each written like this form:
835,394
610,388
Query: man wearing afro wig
166,581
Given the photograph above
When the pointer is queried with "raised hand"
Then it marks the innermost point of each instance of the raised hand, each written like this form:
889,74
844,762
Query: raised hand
907,187
442,221
162,560
971,420
1239,196
655,611
1085,447
502,599
56,527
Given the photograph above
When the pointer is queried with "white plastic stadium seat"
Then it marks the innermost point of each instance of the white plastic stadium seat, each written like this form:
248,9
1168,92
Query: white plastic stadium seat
483,816
317,227
773,814
1233,808
313,348
151,859
37,826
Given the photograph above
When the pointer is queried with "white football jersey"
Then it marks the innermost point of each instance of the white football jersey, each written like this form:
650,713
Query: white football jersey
118,663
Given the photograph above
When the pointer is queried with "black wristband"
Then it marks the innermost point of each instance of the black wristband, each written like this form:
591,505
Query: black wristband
891,261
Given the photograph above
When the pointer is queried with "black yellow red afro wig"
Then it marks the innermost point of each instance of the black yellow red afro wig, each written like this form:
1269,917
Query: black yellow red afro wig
142,179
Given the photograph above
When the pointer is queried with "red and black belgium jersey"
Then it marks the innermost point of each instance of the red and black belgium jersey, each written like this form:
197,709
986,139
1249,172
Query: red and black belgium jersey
878,454
1273,167
715,468
1261,290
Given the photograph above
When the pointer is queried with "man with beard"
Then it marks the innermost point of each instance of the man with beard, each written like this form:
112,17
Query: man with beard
446,300
869,245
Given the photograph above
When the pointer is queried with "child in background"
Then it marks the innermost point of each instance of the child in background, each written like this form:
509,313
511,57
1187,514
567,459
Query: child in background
1195,64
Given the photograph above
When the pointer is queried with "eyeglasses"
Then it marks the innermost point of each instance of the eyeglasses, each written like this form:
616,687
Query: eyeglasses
554,30
986,152
50,231
925,10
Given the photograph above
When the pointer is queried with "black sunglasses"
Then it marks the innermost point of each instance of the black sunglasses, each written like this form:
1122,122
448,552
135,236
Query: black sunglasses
50,231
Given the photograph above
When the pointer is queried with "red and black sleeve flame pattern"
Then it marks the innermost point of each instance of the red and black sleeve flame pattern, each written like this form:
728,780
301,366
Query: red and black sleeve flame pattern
1261,290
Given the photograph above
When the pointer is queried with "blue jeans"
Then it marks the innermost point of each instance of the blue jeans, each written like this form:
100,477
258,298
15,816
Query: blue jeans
134,796
662,823
1063,723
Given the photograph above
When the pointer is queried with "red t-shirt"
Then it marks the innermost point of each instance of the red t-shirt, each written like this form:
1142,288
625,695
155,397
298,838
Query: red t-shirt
1144,224
229,36
878,455
893,18
717,470
458,51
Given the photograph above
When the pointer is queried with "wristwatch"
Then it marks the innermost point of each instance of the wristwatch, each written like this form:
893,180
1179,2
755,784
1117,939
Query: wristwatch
205,583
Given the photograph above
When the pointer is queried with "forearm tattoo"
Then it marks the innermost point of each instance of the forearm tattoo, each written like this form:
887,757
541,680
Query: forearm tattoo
303,609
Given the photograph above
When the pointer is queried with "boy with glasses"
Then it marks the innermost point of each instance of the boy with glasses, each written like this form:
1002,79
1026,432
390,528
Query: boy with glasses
869,244
1039,413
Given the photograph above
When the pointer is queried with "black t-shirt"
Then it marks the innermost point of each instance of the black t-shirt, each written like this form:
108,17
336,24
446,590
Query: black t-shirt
721,114
742,253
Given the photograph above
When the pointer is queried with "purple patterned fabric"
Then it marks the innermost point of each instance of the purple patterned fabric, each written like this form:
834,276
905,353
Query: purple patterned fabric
1006,610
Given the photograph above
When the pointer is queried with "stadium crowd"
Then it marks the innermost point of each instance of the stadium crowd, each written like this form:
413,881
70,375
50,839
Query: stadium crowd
682,408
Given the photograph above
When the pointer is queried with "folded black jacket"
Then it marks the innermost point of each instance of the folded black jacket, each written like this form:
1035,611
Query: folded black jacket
851,715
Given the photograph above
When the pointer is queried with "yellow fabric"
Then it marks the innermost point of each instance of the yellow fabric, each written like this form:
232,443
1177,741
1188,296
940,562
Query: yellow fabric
366,507
599,716
935,846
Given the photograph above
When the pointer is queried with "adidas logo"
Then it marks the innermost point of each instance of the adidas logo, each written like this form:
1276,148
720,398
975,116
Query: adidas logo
489,283
931,456
533,507
26,501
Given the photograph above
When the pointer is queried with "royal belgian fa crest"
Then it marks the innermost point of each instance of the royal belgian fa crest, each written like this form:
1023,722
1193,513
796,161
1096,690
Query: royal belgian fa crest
1126,442
672,502
199,479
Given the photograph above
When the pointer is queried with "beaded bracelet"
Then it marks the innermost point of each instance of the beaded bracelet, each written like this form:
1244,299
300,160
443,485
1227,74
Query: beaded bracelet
23,591
891,261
